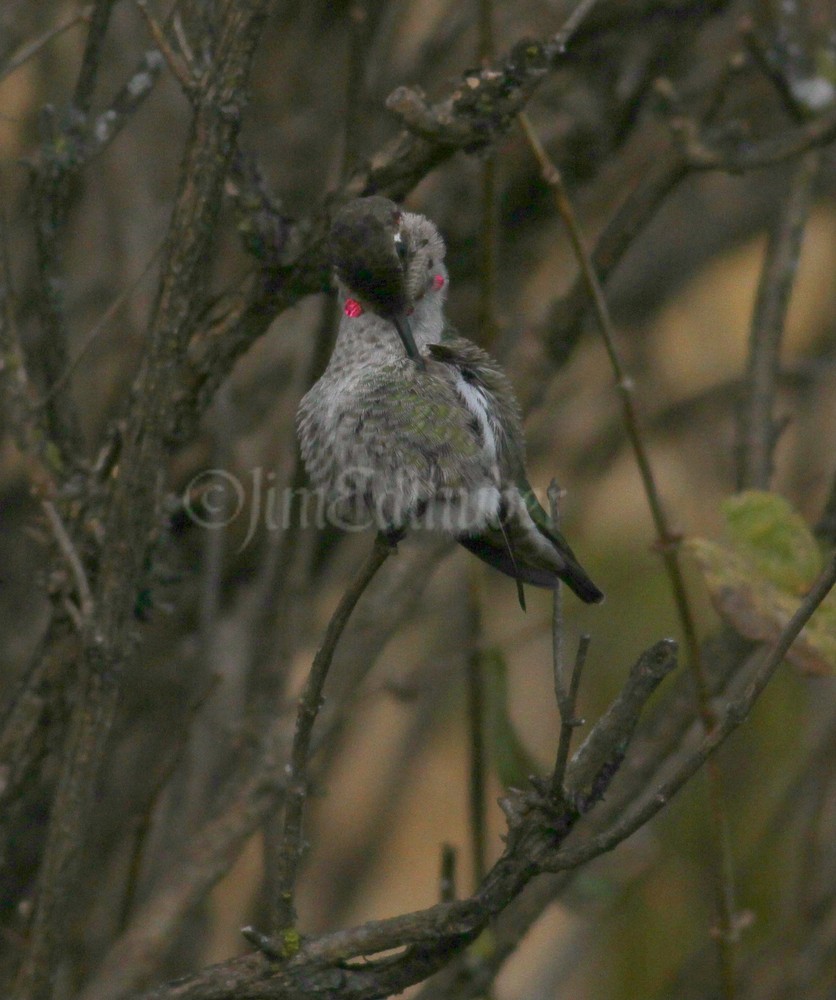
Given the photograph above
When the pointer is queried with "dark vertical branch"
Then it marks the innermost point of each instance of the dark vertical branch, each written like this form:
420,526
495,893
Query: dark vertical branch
568,719
489,237
363,18
826,527
474,670
16,392
758,430
132,514
51,185
88,74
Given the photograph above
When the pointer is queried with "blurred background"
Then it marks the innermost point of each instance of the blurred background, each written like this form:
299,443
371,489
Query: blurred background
240,599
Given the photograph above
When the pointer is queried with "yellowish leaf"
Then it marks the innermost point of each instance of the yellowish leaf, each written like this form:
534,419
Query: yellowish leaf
766,529
759,609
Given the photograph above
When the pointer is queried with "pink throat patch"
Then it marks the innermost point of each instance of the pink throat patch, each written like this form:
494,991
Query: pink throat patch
438,282
352,308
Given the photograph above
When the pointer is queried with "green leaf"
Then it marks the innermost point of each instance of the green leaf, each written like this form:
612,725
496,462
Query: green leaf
774,536
755,582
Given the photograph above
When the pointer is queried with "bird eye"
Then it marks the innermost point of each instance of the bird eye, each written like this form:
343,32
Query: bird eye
400,247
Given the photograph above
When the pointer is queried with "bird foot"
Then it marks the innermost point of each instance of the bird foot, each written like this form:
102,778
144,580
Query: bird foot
393,536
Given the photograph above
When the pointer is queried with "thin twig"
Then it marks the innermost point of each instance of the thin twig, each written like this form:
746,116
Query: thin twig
362,22
475,681
825,528
748,155
756,48
182,38
567,318
667,543
68,550
475,671
101,323
16,389
667,539
488,237
447,875
566,694
144,818
30,49
733,716
758,431
51,194
292,844
568,721
181,72
91,59
558,43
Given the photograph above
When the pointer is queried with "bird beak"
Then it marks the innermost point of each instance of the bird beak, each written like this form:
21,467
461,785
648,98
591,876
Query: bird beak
408,341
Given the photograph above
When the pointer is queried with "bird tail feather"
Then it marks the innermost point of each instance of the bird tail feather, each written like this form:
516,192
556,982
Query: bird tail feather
530,550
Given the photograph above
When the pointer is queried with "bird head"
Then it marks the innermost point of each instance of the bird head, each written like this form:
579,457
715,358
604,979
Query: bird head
389,260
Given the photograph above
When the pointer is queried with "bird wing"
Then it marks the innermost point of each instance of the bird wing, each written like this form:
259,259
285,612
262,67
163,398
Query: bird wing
415,419
464,361
524,544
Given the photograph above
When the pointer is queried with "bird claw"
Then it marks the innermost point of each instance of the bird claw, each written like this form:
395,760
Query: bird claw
393,536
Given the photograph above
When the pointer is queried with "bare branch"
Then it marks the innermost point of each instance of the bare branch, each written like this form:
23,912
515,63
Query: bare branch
568,720
667,544
89,72
758,431
133,504
734,715
292,844
31,49
535,835
737,158
69,552
181,70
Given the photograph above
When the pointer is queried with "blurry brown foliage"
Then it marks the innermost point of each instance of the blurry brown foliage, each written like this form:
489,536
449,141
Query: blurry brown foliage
167,173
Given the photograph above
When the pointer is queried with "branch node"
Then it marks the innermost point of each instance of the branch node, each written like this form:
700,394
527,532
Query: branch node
180,68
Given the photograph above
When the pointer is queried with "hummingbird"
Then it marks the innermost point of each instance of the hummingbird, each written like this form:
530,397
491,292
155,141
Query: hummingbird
411,426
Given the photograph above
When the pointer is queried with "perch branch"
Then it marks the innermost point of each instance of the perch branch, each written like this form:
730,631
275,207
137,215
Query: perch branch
430,936
292,843
568,721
